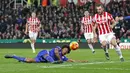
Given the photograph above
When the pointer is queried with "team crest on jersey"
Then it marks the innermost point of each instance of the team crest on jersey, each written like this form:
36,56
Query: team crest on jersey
101,20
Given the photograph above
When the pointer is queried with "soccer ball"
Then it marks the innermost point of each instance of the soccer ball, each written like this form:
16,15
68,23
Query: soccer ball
74,45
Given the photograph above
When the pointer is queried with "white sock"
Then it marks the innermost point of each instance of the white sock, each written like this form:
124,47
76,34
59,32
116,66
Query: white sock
32,46
91,47
118,50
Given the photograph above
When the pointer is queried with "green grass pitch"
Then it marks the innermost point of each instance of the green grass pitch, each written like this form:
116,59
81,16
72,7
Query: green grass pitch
97,62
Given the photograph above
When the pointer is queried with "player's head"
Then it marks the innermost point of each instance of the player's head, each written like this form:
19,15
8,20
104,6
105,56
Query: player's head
100,8
65,49
33,14
86,13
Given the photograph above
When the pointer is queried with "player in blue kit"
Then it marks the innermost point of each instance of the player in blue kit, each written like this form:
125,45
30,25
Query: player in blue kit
55,55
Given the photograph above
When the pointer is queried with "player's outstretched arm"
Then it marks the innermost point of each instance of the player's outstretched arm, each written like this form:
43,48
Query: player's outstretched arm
82,61
30,60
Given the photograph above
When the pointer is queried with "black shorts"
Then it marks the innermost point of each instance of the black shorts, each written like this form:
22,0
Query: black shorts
117,34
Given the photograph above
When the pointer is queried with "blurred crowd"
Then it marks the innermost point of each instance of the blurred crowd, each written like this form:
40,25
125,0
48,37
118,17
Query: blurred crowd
56,22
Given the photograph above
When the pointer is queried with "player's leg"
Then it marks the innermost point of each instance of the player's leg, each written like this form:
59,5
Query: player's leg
48,58
104,43
117,48
88,37
31,35
92,41
118,41
21,59
33,45
90,45
104,46
117,35
112,40
106,51
44,56
34,40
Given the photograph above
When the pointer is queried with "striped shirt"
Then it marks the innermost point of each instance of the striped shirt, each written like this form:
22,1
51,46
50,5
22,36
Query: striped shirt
87,24
103,22
33,24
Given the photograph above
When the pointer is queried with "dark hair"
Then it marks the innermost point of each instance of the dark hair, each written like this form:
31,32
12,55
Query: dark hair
98,5
66,46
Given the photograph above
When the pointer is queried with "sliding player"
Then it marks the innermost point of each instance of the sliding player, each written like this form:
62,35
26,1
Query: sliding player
55,55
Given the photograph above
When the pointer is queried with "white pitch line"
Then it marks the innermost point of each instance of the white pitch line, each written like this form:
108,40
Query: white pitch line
105,68
77,64
66,65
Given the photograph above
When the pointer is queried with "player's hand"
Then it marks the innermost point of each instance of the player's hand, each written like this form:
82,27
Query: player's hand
81,61
84,61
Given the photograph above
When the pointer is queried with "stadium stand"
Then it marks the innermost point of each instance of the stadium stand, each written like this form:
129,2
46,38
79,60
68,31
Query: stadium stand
56,21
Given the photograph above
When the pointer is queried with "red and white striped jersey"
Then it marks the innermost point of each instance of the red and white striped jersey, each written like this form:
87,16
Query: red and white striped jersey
87,24
33,24
103,22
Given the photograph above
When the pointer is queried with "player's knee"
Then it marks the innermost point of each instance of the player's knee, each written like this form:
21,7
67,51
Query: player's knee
88,41
113,42
104,43
118,40
32,41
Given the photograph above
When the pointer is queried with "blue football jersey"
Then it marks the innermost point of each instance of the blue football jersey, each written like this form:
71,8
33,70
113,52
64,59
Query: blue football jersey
52,54
40,56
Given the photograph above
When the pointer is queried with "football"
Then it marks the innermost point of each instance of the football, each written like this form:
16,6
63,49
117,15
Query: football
74,45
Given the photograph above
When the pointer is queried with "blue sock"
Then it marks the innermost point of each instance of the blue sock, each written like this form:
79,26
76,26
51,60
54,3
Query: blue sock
19,58
49,59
